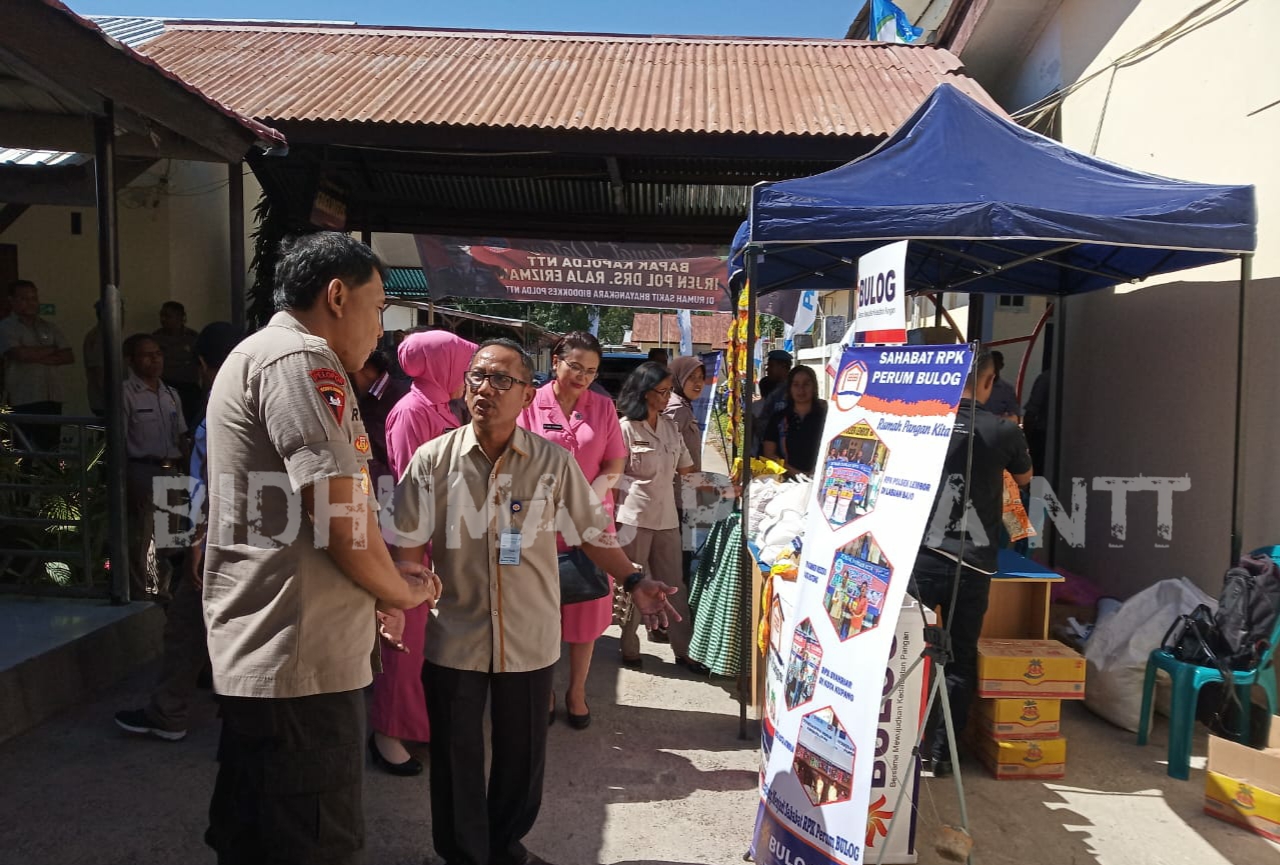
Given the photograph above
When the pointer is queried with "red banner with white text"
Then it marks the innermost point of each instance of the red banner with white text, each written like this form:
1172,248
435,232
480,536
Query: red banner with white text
640,275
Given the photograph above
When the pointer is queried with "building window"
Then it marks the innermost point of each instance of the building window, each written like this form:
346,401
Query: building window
1012,301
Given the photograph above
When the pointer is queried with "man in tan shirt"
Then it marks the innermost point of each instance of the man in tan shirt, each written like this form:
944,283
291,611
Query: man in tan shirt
490,498
294,565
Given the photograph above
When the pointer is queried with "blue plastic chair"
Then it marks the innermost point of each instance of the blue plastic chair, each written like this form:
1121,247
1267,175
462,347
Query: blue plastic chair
1187,681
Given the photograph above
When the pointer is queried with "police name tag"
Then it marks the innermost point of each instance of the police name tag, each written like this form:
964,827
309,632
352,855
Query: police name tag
509,547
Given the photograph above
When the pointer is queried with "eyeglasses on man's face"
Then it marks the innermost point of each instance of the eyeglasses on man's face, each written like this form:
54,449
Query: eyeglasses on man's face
580,370
475,379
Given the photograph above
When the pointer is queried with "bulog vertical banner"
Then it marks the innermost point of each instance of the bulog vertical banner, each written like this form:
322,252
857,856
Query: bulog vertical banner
831,632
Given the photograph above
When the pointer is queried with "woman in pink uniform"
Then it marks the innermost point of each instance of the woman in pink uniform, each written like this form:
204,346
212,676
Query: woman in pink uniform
585,423
436,361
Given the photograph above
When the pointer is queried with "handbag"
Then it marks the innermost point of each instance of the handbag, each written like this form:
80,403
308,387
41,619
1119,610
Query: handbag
1192,638
580,579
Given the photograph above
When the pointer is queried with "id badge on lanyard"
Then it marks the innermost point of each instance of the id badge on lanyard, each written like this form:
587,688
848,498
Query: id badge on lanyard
509,547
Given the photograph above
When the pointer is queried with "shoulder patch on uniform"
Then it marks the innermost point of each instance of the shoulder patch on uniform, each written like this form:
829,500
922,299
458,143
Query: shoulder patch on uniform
330,384
362,444
324,374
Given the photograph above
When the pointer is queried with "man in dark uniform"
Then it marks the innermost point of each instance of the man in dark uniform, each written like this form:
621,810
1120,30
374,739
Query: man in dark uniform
180,369
963,536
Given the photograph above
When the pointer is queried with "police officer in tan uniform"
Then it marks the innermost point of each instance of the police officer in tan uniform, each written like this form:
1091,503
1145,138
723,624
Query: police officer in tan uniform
294,565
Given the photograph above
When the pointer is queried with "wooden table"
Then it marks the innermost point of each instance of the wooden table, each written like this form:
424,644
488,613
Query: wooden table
1019,604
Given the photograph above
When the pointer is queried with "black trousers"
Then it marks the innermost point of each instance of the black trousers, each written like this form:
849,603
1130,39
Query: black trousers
186,653
289,781
931,584
469,824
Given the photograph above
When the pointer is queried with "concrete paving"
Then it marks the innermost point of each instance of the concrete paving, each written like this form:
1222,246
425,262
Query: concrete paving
659,777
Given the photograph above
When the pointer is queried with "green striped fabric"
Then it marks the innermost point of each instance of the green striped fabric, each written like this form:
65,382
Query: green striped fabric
716,598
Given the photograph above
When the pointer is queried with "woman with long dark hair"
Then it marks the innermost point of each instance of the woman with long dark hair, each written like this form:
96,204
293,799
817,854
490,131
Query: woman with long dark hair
436,361
794,432
648,522
566,411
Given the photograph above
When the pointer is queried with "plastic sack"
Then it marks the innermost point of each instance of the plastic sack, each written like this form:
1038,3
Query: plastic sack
782,521
1116,653
1013,515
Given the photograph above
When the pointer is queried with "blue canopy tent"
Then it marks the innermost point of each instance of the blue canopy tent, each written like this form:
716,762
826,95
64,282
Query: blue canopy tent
989,207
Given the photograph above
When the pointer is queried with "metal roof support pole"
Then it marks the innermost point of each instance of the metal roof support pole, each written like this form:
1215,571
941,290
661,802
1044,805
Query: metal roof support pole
235,236
112,316
747,563
1237,480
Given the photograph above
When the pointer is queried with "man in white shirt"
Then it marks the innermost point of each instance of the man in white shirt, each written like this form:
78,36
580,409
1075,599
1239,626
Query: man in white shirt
156,441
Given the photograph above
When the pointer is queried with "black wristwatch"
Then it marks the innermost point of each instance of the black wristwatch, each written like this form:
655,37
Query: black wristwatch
632,581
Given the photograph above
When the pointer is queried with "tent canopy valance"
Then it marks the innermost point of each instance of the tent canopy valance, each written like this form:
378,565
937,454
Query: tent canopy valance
990,207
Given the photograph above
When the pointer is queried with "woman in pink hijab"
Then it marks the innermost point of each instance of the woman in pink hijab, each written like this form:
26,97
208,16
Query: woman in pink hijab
436,361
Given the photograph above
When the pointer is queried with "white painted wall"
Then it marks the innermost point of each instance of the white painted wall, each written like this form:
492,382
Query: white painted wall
1150,371
173,246
396,250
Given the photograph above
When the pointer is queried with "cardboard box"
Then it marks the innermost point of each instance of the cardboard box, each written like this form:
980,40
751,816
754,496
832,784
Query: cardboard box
1038,669
1023,758
1018,718
1242,784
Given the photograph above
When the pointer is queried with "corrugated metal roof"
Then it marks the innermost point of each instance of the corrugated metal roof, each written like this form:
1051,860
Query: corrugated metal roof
129,30
76,63
409,76
407,282
22,156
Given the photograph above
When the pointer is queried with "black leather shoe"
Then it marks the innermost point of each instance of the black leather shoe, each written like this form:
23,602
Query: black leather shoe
407,769
942,769
693,666
577,722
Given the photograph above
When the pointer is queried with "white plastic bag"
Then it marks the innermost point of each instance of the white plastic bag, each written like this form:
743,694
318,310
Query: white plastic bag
1116,653
783,519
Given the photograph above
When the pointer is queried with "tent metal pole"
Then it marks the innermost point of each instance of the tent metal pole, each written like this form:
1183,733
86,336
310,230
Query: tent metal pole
997,269
1053,447
974,327
746,562
1237,480
104,163
1118,277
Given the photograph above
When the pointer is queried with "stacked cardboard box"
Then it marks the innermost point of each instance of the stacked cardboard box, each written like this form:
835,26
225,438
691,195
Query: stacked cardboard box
1017,723
1242,784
